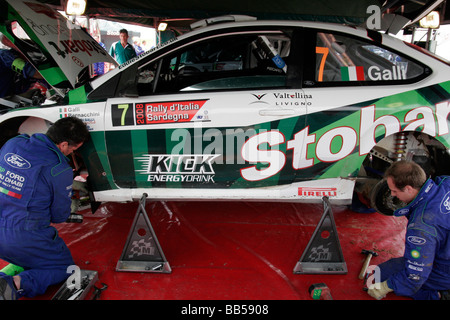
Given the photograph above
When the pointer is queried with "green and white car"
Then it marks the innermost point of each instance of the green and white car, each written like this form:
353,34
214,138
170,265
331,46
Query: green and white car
245,110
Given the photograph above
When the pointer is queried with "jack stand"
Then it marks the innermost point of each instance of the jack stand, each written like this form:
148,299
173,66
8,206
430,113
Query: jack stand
323,254
142,252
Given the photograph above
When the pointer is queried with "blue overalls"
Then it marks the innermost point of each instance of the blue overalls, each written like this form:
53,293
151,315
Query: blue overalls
10,65
424,268
35,190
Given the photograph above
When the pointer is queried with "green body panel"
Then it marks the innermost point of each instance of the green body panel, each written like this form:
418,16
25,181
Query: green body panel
123,158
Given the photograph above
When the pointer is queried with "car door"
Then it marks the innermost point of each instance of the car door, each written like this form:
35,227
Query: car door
215,113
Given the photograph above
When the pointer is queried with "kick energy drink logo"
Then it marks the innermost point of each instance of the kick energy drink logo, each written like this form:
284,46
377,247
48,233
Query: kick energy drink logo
178,168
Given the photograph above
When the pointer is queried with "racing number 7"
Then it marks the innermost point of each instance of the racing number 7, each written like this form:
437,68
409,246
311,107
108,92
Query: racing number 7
122,114
324,51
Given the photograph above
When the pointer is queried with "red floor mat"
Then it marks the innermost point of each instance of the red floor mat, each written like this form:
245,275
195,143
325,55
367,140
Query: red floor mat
228,250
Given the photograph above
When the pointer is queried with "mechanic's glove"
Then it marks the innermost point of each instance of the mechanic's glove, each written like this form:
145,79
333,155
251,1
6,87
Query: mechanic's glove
379,290
79,186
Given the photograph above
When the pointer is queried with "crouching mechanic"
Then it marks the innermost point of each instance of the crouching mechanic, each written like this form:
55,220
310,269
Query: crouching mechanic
35,190
423,273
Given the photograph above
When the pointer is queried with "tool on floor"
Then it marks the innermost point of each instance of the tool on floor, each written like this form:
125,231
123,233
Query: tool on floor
142,251
369,254
320,291
98,291
83,283
323,254
75,218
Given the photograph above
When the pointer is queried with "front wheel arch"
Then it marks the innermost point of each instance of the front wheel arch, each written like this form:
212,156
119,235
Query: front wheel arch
20,125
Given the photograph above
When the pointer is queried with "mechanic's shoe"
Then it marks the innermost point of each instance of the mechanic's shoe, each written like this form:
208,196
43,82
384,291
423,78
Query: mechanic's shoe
75,218
8,290
11,270
445,294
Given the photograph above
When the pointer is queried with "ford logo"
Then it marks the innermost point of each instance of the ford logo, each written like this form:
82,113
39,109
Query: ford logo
78,61
16,161
416,240
402,212
445,204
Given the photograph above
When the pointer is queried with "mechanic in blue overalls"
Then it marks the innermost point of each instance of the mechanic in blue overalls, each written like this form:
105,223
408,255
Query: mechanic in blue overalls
423,273
16,75
35,191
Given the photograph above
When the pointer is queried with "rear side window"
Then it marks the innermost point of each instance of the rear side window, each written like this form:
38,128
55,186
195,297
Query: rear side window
345,60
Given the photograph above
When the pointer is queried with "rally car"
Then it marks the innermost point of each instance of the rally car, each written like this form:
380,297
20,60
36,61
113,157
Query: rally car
246,110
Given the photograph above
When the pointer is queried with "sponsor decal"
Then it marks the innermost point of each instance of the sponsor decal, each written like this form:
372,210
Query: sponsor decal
78,61
178,168
396,73
428,188
166,112
294,99
88,117
68,47
416,240
414,277
285,99
10,193
317,192
259,96
402,212
445,203
415,268
143,55
320,253
157,112
11,183
16,161
76,112
336,143
352,73
415,254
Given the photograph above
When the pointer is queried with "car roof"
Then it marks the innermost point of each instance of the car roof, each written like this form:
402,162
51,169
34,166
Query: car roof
224,27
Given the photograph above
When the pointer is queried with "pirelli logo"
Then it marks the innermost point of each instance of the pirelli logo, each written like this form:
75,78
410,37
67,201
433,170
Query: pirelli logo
317,192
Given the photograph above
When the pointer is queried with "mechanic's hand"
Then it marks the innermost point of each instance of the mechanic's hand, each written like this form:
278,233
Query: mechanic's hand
80,186
379,290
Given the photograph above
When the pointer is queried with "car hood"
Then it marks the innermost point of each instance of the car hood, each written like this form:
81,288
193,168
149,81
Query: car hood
59,49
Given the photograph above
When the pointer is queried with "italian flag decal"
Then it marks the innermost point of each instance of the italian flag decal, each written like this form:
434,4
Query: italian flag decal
10,193
352,73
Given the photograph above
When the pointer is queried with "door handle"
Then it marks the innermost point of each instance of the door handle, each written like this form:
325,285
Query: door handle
277,112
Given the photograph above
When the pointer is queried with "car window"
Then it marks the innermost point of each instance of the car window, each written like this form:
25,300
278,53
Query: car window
255,60
346,60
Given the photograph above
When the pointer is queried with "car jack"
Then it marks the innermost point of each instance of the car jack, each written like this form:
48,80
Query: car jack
142,251
323,254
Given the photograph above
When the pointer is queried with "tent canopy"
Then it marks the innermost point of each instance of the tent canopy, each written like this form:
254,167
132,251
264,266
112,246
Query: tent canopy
150,12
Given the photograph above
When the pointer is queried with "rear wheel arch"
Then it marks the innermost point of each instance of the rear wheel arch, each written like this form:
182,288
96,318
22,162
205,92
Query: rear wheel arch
425,150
